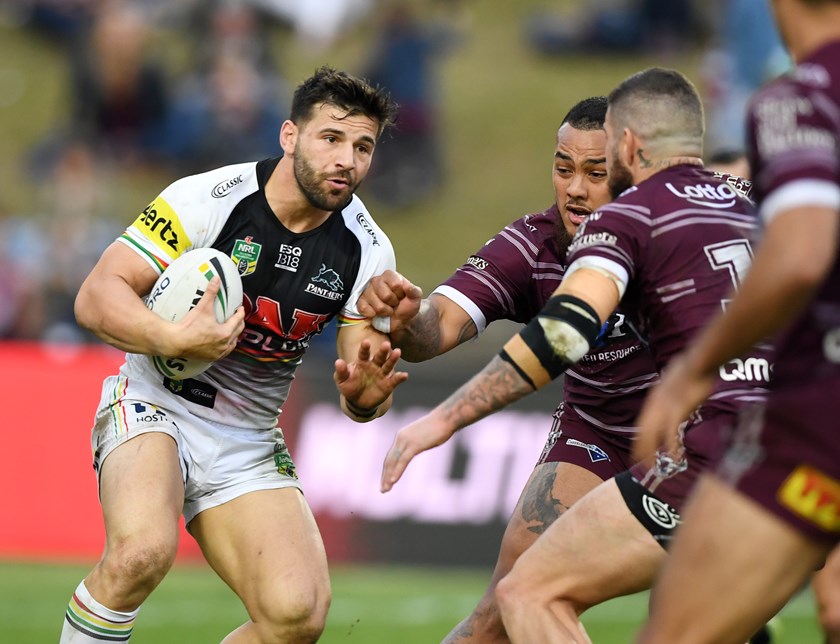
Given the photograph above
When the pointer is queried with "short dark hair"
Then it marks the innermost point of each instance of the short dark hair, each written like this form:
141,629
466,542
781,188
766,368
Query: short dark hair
588,114
352,94
659,104
725,155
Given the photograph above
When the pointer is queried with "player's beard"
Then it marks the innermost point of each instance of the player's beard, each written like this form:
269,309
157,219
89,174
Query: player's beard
562,237
619,178
311,185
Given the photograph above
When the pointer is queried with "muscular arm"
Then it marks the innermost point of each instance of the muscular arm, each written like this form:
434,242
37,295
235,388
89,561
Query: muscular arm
500,384
110,305
438,327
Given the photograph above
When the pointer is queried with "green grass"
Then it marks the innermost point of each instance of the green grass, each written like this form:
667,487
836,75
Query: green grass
371,605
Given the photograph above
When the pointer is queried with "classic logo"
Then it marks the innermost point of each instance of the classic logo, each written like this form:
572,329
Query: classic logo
363,222
595,452
245,254
721,195
223,188
479,263
289,258
813,496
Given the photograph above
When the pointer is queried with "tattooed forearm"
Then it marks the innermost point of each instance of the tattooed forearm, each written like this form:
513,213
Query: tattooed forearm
420,339
496,386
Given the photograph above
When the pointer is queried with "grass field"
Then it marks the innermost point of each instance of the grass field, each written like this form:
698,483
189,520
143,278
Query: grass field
371,605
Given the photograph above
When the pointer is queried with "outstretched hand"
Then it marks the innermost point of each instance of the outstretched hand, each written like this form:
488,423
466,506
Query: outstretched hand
425,433
370,379
390,295
679,392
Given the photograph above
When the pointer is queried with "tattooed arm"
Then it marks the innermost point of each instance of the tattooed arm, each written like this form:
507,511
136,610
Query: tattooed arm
421,328
495,387
505,380
440,325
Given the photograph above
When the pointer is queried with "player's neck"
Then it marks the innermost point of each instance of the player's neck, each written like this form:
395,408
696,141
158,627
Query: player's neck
814,32
289,204
649,167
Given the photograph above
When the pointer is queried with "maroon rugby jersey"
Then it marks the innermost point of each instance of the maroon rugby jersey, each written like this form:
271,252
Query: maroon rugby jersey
513,276
680,241
794,147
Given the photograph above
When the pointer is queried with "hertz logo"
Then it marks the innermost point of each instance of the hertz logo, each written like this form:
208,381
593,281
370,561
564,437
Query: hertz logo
814,496
160,224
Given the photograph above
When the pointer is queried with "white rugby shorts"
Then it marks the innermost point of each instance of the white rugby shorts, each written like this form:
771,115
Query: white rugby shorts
218,462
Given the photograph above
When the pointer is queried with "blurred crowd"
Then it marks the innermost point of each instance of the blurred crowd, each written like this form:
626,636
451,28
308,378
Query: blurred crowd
130,109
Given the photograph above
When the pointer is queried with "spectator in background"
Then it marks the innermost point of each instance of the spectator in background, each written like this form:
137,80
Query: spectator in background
404,62
43,263
62,20
120,94
628,26
748,54
231,108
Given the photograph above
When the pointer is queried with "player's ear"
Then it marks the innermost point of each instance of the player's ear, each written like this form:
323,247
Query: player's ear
628,146
288,136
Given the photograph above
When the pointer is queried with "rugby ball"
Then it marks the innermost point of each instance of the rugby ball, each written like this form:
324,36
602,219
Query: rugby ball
179,289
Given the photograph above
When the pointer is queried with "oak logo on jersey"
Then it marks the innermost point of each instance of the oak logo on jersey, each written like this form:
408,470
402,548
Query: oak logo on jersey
363,222
245,254
289,258
813,496
161,226
223,188
331,280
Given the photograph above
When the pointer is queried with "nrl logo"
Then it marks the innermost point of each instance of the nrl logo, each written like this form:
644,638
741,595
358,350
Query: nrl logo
245,254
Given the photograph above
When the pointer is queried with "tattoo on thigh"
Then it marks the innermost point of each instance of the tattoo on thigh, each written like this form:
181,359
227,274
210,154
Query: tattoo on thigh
539,505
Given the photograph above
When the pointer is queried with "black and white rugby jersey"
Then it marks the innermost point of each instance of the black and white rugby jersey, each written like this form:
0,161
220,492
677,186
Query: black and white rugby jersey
294,284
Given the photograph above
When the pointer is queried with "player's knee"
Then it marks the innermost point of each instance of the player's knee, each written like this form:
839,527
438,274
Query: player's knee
510,593
134,565
829,613
298,617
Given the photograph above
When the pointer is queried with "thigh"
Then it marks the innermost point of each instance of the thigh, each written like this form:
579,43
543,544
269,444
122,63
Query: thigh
594,552
550,491
743,562
266,546
141,489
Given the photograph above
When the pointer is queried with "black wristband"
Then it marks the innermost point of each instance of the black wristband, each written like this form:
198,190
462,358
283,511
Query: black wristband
360,412
504,355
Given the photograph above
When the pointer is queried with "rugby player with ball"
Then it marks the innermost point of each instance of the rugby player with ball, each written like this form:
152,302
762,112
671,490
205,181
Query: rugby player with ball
189,425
